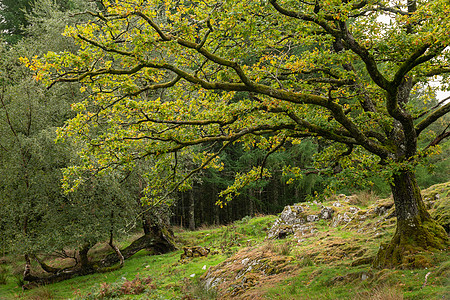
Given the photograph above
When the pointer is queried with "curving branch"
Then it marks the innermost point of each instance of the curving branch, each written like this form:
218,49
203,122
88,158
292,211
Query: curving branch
275,149
442,136
437,71
103,71
305,17
342,137
417,58
433,117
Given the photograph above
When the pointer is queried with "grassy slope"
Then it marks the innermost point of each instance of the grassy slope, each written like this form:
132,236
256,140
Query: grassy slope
313,266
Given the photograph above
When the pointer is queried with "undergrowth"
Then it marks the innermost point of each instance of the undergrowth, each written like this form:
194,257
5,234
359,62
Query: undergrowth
332,263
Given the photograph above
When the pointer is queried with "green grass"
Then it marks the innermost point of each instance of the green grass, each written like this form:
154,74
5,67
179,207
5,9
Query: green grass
317,267
170,278
338,282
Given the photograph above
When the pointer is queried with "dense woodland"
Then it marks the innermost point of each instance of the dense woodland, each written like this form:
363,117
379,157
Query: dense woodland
202,130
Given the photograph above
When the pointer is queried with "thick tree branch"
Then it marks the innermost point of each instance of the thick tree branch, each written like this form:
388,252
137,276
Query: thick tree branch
412,61
191,122
318,131
438,71
366,57
99,72
180,144
309,18
442,136
433,117
348,39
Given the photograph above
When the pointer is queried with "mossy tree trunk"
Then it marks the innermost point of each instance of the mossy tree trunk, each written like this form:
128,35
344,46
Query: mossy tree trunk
416,230
85,265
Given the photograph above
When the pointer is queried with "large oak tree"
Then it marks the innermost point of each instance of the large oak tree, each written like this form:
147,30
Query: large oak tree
166,75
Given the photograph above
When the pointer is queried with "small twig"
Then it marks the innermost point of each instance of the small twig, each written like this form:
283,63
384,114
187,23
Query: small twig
269,153
426,279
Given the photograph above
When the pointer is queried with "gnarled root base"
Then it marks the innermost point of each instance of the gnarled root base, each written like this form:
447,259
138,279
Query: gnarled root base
411,238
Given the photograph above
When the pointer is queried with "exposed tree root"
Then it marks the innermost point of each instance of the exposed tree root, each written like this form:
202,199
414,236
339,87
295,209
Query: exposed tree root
404,249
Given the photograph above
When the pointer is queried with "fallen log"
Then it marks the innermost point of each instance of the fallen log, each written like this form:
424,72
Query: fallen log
157,244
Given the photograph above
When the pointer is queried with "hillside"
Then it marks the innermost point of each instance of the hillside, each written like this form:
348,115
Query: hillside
315,250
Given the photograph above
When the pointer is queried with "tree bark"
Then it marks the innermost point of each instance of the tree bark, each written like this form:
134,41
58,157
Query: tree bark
416,230
157,243
158,238
115,248
86,266
251,202
191,211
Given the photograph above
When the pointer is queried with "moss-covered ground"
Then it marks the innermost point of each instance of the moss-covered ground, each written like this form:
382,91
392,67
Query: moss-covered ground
331,263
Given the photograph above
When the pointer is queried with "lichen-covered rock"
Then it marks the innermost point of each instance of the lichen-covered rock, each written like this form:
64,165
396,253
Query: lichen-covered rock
248,268
302,230
437,200
195,251
354,209
337,204
212,282
294,217
341,219
312,218
292,214
382,208
284,226
326,213
280,230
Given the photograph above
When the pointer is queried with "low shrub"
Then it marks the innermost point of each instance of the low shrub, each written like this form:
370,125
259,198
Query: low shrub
136,286
3,275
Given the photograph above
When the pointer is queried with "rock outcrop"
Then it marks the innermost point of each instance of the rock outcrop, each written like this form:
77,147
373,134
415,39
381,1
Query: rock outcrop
301,219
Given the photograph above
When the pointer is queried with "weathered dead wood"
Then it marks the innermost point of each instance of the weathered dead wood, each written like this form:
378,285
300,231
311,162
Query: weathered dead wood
157,244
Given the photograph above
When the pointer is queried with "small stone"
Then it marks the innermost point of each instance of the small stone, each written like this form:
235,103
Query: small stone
341,219
353,210
326,213
312,218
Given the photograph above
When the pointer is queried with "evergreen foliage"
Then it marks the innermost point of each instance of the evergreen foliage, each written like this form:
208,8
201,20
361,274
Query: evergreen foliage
13,20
